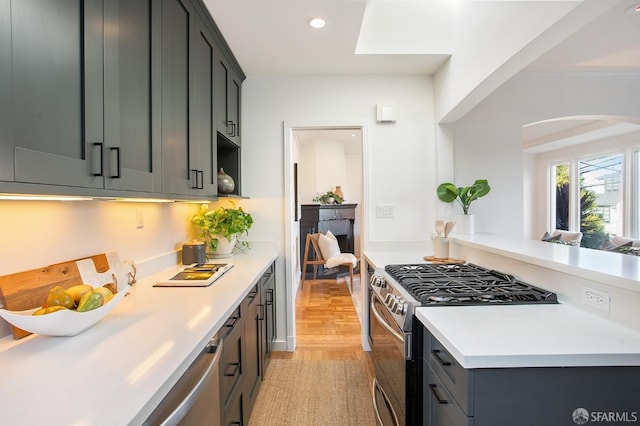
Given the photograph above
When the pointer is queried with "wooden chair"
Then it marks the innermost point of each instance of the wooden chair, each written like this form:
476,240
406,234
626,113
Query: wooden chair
312,240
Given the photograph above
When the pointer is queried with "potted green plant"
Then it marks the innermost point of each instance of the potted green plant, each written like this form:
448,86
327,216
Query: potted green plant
221,228
449,193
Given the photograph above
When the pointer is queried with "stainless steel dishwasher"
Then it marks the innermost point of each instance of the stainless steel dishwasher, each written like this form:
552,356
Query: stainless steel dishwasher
195,398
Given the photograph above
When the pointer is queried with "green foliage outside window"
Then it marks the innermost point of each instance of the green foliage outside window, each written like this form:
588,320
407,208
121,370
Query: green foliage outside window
591,223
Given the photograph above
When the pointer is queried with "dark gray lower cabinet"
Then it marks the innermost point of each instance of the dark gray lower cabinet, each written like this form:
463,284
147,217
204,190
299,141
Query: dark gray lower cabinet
232,367
268,318
252,344
455,396
248,336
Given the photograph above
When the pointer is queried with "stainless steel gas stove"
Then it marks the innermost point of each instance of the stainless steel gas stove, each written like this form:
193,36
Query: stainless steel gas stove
395,336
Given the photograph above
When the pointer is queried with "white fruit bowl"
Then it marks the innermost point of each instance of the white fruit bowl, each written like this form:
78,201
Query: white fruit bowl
61,323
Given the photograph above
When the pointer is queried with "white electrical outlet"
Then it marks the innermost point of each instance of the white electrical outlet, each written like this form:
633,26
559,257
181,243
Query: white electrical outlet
596,298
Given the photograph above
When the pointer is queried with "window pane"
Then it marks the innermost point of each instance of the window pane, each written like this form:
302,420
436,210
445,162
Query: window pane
561,185
600,199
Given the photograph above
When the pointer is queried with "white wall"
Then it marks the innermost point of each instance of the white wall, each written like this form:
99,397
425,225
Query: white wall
400,156
474,70
488,140
40,233
321,168
36,234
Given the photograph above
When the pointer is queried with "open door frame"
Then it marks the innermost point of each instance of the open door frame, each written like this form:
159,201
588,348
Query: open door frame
292,274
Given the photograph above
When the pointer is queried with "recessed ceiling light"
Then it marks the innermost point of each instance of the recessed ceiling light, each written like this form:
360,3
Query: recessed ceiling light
317,22
633,9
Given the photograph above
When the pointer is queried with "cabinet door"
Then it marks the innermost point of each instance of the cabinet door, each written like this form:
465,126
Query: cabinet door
252,349
177,177
221,90
57,65
234,412
232,370
202,124
6,136
131,112
233,107
227,102
268,329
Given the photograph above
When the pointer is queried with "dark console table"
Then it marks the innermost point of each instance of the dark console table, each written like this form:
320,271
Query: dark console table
337,218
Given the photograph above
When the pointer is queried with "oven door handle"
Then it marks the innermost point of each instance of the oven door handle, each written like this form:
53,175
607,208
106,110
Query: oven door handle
382,322
376,387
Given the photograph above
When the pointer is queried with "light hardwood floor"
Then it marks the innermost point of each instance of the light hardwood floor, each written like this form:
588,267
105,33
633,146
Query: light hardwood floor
327,326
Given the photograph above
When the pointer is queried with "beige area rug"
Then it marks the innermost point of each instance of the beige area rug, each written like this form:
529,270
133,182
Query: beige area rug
313,392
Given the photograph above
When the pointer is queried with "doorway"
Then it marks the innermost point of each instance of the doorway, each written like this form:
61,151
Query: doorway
319,157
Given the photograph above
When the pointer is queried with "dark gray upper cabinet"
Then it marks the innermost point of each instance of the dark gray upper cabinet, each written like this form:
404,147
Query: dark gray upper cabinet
177,176
203,124
131,107
228,85
57,91
82,109
113,97
6,137
188,134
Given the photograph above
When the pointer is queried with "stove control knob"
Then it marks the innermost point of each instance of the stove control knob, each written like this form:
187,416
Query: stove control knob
392,302
378,281
388,300
400,308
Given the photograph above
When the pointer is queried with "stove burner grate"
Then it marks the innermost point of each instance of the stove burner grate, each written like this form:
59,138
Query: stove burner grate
465,284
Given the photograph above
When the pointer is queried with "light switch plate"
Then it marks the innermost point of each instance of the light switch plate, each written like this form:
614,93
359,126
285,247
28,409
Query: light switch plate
385,210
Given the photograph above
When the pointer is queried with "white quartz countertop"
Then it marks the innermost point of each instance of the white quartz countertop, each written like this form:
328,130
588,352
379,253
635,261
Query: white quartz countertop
378,259
616,269
116,372
531,335
557,335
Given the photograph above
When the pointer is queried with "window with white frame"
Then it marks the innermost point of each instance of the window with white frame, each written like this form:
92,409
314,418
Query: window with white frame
588,193
596,175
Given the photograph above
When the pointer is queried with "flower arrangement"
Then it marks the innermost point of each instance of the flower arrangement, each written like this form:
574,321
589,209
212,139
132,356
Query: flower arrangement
329,197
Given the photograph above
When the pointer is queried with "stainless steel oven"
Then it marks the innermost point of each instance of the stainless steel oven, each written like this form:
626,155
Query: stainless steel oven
395,370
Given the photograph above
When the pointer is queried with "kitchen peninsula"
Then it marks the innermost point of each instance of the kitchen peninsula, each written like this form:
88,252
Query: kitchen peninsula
483,364
116,372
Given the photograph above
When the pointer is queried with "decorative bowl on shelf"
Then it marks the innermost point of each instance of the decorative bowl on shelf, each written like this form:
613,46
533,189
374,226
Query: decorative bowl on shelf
61,323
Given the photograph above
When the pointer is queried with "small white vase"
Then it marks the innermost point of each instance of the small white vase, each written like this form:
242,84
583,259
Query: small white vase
466,224
225,247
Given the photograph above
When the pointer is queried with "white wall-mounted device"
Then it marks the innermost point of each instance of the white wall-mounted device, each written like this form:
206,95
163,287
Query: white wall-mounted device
385,113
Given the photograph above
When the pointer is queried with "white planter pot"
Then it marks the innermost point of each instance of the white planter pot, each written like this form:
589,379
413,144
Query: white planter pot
466,224
225,247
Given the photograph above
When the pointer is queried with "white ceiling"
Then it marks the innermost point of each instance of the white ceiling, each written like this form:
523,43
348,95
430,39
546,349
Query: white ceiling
350,138
410,37
395,36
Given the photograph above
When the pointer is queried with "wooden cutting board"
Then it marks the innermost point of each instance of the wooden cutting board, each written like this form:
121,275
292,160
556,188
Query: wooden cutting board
434,259
29,289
